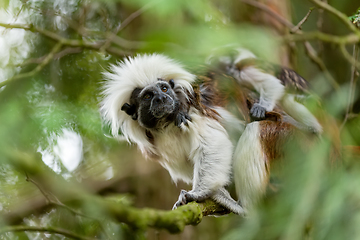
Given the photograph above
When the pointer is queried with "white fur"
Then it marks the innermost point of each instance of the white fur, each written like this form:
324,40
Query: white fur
181,151
250,173
200,154
129,74
269,87
272,91
243,54
300,113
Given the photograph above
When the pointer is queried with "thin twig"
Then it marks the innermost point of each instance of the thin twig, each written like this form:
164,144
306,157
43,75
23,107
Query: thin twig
339,15
309,48
310,51
56,202
134,15
64,41
319,24
53,230
43,192
298,26
125,23
57,56
38,68
349,58
352,87
355,75
320,20
123,43
316,35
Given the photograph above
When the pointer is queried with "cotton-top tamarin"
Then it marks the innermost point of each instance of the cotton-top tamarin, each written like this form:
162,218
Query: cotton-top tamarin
151,100
275,84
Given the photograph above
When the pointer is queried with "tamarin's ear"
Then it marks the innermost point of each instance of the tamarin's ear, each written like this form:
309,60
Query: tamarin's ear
130,110
172,83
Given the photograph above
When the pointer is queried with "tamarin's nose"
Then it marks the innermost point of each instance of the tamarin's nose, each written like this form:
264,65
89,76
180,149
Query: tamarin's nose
159,99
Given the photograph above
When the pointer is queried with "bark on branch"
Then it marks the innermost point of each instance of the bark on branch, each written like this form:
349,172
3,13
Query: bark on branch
173,220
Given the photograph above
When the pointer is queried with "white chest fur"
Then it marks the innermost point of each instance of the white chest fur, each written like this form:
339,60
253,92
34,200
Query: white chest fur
179,149
176,147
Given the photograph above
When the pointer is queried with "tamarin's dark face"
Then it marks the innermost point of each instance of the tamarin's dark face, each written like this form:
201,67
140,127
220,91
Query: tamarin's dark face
153,106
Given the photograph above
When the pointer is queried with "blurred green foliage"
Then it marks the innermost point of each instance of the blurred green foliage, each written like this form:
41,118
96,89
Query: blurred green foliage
317,200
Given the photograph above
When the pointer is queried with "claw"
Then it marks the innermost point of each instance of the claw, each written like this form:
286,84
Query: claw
258,111
182,118
181,200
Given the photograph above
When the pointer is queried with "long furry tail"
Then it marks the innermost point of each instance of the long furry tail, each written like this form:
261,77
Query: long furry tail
250,171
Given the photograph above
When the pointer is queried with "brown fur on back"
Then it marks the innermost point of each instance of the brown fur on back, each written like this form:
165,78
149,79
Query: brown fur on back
206,97
273,135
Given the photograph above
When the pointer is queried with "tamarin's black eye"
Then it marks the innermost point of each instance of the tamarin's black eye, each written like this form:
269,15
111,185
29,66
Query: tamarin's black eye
164,89
147,96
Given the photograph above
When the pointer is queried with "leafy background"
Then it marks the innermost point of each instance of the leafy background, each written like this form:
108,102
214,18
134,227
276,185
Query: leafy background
49,117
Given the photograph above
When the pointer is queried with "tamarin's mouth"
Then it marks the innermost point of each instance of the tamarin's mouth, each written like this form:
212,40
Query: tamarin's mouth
163,111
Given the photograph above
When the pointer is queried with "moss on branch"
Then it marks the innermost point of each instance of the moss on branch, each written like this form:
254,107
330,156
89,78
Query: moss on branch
172,220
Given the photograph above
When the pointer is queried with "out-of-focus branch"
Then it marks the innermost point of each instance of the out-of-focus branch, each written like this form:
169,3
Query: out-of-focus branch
53,230
75,46
44,32
311,52
125,23
316,35
355,68
298,26
38,68
354,76
134,15
173,220
319,24
121,42
349,58
339,15
58,55
53,200
64,41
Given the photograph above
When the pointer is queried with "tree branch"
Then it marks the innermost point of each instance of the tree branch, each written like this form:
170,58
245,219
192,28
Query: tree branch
53,230
310,36
172,220
319,24
125,23
338,14
355,67
38,68
349,58
65,41
58,55
58,203
311,52
298,26
61,41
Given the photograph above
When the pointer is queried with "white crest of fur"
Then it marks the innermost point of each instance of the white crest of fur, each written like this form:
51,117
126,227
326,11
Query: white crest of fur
131,73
